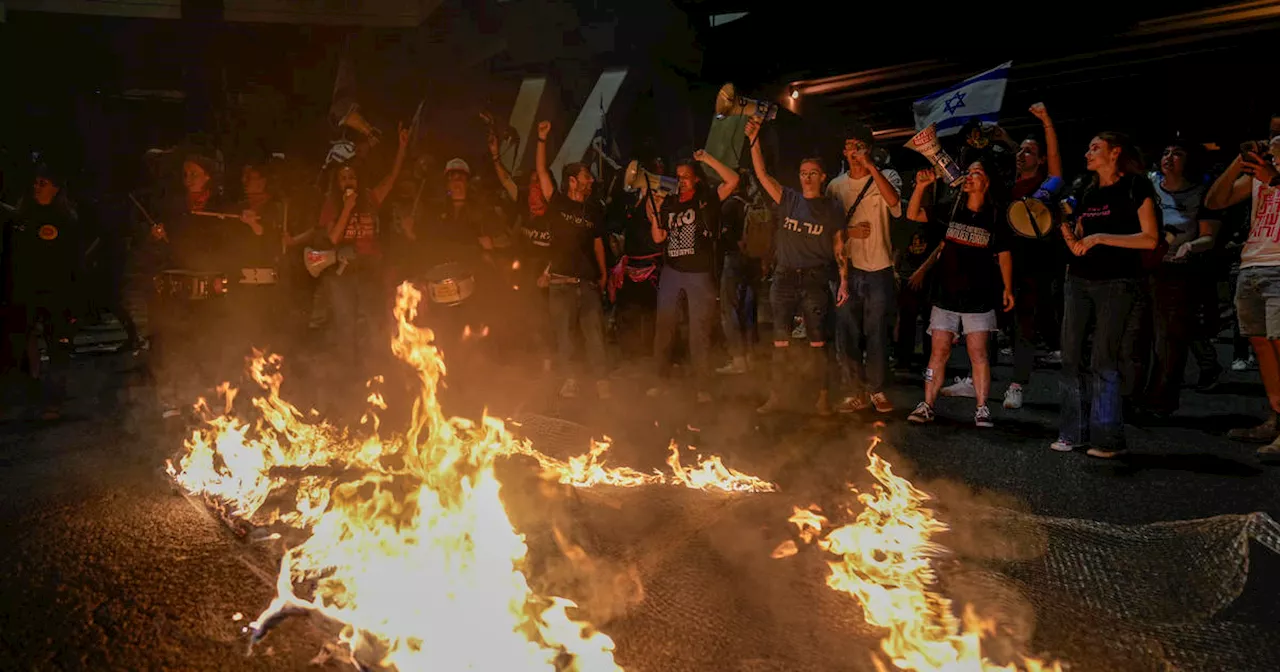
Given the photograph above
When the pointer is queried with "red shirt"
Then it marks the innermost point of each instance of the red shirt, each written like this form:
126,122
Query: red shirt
362,228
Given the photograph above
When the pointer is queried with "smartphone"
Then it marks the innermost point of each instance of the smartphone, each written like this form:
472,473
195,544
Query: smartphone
1253,147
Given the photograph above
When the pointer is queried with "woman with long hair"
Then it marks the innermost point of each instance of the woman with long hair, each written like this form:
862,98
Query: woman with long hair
975,267
1117,220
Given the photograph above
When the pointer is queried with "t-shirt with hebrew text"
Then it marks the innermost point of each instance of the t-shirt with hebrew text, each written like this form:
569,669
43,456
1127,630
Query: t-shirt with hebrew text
574,228
689,226
1263,246
806,230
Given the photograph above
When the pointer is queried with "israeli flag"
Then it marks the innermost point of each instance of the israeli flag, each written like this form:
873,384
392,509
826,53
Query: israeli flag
978,97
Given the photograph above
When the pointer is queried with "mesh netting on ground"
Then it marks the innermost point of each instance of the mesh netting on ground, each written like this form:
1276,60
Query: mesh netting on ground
682,580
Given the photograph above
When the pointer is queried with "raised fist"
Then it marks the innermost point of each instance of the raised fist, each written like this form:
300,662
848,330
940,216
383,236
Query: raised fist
544,129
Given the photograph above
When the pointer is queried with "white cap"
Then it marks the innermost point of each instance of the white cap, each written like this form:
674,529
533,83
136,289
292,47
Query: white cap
457,164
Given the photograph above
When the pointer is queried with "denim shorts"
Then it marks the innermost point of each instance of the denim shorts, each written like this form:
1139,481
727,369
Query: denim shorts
942,319
1258,301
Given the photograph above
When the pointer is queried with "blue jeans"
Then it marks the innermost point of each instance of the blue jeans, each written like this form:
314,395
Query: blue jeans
869,313
356,312
578,303
739,291
805,292
700,291
1091,407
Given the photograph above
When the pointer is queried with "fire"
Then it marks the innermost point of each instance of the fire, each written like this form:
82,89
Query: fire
420,563
589,470
884,559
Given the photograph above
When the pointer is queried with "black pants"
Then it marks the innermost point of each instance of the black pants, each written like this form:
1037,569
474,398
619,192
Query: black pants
913,306
636,317
1035,315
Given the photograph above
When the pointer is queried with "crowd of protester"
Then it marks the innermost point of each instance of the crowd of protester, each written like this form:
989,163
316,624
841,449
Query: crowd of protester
855,275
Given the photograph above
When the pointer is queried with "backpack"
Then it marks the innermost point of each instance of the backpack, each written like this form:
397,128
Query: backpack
757,230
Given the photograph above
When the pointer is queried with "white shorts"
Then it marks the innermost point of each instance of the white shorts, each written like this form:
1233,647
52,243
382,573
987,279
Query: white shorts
942,319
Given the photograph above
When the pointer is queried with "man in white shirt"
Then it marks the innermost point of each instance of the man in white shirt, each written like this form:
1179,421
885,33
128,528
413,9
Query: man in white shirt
1254,175
870,197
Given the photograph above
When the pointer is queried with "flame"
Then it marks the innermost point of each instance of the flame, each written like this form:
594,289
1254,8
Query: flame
589,470
419,562
885,561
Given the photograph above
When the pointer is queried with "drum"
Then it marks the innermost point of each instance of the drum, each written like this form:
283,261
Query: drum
1033,218
182,285
450,284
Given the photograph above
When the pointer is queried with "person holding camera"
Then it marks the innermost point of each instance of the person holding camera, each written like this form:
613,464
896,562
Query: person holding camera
1254,175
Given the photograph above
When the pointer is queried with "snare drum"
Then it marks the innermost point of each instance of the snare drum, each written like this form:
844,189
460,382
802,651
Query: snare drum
183,285
450,284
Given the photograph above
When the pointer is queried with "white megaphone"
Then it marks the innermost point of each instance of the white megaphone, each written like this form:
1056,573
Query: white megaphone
639,178
729,104
317,261
926,142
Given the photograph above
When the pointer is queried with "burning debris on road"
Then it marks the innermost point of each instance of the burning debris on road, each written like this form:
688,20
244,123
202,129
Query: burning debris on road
405,541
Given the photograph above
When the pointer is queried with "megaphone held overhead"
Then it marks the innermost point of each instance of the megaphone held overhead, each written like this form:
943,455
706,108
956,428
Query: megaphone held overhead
926,142
639,178
729,104
356,122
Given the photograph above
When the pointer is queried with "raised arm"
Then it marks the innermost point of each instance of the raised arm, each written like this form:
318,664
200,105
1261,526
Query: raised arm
384,187
770,185
540,161
728,177
889,192
504,175
1232,186
1052,155
915,209
653,210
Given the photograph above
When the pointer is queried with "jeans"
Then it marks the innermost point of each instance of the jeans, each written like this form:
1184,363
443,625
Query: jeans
1091,408
805,292
635,310
578,303
1135,348
356,310
867,313
1174,307
739,291
700,291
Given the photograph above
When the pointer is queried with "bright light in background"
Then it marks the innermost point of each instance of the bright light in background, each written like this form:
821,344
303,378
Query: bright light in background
795,93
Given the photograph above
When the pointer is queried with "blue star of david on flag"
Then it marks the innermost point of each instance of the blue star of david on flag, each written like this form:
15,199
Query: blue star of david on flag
955,102
976,98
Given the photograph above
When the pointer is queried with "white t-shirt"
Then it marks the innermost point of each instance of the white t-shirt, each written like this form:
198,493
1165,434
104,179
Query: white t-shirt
1182,210
875,252
1263,246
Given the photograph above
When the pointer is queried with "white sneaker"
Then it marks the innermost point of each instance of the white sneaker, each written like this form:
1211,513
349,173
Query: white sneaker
1062,445
982,417
1054,357
963,387
1013,396
570,388
736,367
1240,365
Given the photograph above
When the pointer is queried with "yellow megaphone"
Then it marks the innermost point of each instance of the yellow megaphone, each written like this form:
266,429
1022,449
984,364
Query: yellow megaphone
639,178
356,121
729,104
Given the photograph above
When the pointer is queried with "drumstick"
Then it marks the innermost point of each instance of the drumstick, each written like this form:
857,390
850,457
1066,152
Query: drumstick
143,210
219,215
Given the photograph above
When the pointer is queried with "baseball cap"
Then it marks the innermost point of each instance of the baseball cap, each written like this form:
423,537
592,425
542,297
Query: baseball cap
457,164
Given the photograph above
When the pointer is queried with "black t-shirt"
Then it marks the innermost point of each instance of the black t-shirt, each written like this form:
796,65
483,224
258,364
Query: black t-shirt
200,242
637,234
46,244
1112,209
968,271
574,232
252,251
690,226
453,231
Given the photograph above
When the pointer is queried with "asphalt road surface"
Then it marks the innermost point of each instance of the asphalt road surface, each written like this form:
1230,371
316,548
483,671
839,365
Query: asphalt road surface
108,569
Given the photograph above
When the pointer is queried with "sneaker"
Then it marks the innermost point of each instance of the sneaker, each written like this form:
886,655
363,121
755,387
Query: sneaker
963,387
1062,445
1006,352
982,417
823,406
1105,453
602,389
570,388
1013,396
170,412
772,405
854,404
881,403
922,415
1245,364
1054,357
704,397
734,368
1264,433
1269,452
798,331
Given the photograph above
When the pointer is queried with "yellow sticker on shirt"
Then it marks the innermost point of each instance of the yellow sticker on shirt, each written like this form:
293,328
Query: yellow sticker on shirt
48,232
